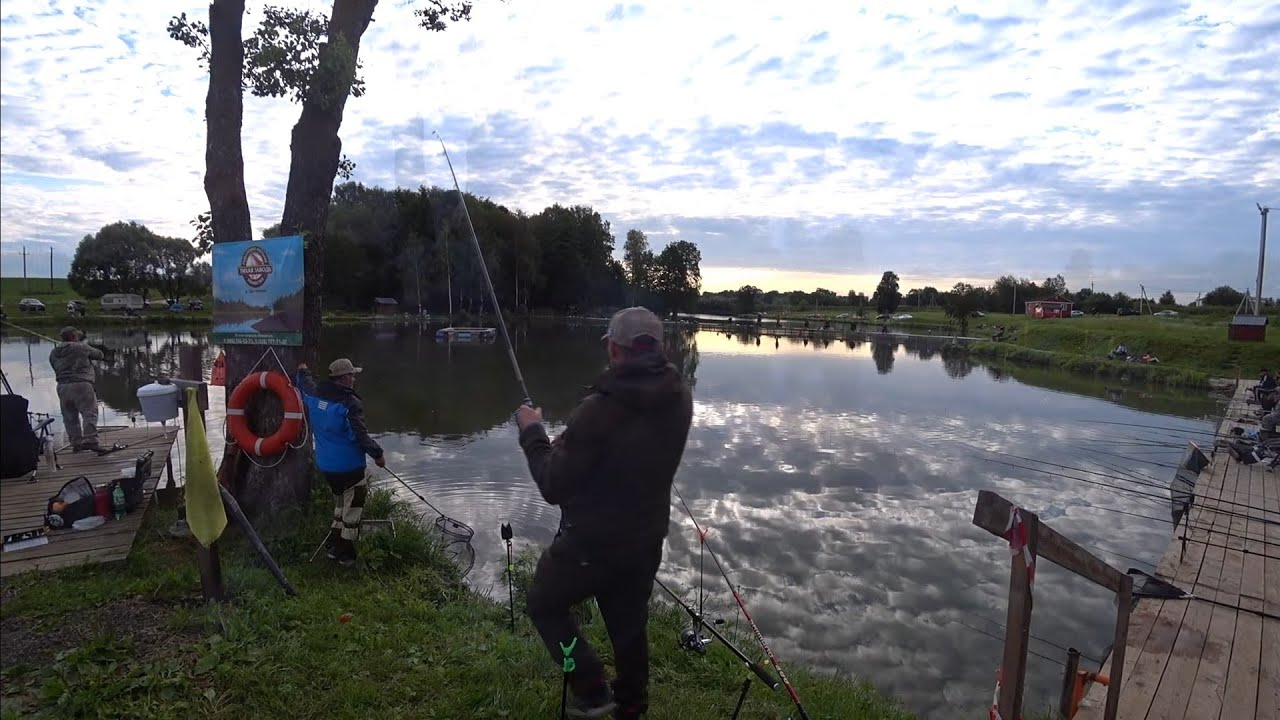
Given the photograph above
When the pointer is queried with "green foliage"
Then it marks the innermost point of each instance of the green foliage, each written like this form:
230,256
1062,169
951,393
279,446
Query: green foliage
747,297
637,258
887,298
129,258
399,641
961,304
1167,299
1224,296
678,277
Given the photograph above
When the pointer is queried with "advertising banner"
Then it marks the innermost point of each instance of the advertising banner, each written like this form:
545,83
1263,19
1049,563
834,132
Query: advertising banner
257,292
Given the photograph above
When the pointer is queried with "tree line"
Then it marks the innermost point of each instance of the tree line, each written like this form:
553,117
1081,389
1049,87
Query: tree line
1006,294
415,246
126,257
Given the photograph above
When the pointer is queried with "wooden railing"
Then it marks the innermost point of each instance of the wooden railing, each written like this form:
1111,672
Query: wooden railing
992,513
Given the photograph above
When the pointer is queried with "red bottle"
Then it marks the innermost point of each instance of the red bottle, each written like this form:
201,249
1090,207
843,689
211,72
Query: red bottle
102,501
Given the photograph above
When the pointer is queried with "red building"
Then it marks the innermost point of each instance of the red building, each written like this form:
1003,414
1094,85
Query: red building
1054,307
1248,327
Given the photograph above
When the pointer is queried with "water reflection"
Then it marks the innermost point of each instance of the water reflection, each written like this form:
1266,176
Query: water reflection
838,475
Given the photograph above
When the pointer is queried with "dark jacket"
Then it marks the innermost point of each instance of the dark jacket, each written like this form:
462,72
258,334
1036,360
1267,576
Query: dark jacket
70,361
336,415
611,469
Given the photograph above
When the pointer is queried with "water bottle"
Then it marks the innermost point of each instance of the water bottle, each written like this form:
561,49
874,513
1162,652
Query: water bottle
117,500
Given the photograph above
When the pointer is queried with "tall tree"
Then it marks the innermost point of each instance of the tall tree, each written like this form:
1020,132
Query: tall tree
313,59
962,302
117,258
638,259
1055,286
1223,296
678,276
747,297
887,297
1167,298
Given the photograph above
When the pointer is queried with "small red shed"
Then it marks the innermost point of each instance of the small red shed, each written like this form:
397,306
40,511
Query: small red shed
1054,307
1248,327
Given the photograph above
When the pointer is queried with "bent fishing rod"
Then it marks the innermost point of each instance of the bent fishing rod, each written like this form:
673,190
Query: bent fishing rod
515,366
493,296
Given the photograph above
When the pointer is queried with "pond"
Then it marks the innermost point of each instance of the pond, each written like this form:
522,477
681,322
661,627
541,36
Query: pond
838,481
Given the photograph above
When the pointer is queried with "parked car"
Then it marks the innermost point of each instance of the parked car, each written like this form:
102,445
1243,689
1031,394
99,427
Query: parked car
76,307
195,304
1077,313
902,316
1126,311
1167,313
30,305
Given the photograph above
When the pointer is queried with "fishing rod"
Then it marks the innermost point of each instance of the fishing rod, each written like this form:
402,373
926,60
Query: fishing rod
515,366
702,537
769,680
1184,431
493,296
415,492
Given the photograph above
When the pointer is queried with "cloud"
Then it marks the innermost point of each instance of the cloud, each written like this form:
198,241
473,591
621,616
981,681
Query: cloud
930,130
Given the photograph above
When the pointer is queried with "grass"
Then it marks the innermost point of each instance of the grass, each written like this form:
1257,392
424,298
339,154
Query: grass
133,640
55,295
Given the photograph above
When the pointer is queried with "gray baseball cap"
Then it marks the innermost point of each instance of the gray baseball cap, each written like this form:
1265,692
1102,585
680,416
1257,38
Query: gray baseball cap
630,324
343,366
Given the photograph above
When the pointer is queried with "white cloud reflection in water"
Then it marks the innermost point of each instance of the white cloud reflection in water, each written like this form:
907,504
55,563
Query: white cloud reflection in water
841,500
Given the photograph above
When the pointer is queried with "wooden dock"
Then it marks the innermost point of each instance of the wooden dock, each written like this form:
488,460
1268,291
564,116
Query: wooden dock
23,503
1215,656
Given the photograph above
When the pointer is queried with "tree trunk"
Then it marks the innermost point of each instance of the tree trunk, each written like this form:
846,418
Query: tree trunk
262,491
315,150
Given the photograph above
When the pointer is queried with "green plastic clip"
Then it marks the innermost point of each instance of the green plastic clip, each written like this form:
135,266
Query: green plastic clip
569,663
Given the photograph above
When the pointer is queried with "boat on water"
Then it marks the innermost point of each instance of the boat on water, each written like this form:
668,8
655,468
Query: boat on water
466,334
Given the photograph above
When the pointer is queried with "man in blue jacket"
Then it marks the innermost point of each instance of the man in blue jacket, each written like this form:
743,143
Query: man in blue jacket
336,414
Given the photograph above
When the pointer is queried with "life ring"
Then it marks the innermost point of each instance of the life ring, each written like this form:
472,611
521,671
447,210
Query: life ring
290,426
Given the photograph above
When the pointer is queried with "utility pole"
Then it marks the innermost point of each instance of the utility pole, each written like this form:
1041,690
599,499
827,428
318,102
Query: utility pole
1262,254
24,269
50,268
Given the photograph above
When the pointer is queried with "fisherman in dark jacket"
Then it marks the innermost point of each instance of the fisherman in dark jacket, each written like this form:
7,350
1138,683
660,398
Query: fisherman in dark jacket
610,471
336,414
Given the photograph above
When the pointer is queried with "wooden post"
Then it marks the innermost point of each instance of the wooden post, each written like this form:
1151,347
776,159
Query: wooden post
1118,645
1017,626
1067,699
210,573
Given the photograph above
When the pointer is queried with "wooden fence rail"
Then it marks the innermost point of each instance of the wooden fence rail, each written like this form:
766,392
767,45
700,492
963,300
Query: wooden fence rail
994,514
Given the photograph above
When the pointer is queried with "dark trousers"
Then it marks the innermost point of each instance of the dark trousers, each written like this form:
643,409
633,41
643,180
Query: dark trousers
621,585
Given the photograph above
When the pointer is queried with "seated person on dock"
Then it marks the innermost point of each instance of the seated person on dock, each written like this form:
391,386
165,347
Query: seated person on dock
1266,384
1268,425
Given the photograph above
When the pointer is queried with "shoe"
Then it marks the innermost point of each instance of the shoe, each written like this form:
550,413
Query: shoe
598,703
343,551
627,711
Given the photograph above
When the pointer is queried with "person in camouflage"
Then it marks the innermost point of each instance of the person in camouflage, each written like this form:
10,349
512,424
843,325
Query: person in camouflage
76,395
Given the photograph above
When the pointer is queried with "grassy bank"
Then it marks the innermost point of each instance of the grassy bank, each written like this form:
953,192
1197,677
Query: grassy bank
133,640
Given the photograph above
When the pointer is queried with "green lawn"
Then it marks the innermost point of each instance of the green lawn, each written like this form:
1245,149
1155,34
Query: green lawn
55,295
132,640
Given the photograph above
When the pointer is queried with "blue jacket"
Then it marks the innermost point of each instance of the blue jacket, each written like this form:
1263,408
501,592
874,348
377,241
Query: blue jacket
336,415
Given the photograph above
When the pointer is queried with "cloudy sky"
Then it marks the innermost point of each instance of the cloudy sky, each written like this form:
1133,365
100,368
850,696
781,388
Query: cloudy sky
800,144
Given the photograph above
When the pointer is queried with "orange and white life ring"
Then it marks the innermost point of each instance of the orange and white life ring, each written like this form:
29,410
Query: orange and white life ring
290,426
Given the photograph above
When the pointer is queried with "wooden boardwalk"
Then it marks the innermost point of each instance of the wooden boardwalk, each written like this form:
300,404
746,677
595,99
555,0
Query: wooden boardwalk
22,503
1216,656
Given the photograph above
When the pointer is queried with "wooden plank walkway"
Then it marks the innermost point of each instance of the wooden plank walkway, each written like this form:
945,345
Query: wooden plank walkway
1216,656
22,503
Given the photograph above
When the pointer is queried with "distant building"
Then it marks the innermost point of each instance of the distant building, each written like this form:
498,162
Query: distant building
385,306
1054,307
1248,327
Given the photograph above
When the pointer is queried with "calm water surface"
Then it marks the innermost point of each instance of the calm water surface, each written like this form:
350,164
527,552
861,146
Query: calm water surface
838,480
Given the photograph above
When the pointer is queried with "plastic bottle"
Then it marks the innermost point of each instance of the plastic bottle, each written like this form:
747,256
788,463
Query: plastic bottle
117,499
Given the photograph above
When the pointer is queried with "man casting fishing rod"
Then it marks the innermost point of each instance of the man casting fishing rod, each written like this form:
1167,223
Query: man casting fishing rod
611,472
77,398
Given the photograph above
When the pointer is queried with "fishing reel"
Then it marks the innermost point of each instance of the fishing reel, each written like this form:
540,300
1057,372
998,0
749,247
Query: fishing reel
693,641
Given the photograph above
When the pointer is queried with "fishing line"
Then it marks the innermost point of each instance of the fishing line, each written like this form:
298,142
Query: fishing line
493,296
1152,427
1059,663
1118,488
702,538
1037,638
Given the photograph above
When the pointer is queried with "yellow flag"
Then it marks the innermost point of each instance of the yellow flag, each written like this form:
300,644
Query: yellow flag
205,514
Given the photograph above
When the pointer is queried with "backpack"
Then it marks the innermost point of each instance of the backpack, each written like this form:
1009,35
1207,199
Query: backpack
74,501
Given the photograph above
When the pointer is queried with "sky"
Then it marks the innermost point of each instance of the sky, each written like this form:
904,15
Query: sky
799,145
